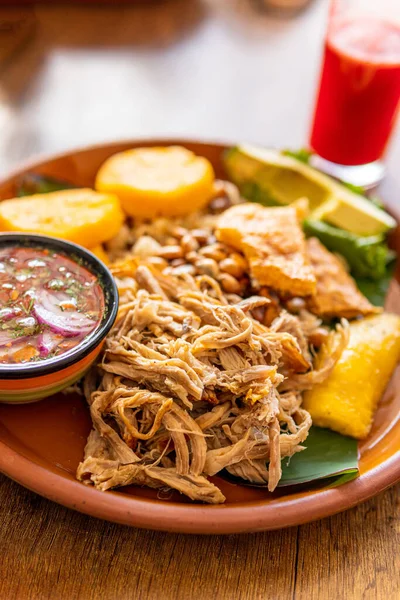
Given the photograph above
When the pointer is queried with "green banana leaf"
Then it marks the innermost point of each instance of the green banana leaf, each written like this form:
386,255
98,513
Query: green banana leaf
328,455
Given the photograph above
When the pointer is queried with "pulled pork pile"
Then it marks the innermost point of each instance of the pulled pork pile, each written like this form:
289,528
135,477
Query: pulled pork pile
217,330
190,386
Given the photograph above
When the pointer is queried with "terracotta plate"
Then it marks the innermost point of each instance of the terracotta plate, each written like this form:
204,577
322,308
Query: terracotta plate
41,444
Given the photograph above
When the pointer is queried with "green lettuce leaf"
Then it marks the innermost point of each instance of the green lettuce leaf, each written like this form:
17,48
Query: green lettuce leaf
376,290
328,455
33,183
367,257
303,155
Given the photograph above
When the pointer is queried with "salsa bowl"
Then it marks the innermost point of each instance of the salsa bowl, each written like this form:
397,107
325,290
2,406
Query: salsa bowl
62,342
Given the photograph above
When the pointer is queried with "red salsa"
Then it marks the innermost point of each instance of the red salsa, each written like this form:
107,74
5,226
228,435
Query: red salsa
48,304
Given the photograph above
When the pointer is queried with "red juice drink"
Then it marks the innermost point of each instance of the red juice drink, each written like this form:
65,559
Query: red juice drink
359,90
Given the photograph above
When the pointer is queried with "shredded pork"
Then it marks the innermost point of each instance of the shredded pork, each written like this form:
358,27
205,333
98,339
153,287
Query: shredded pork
203,370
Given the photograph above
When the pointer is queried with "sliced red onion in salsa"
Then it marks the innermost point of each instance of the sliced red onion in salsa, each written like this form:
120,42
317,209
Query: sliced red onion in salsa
46,308
8,313
7,339
48,304
47,342
10,344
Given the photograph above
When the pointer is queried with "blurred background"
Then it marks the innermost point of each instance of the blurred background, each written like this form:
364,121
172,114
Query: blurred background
218,69
80,73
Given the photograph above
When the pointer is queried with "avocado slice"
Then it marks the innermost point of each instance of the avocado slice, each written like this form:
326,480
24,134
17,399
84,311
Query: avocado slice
274,177
354,213
267,176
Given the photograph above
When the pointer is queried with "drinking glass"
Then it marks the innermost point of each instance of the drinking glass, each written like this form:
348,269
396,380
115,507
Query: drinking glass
359,89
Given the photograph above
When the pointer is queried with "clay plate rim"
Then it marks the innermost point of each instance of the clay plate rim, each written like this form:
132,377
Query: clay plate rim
382,468
180,518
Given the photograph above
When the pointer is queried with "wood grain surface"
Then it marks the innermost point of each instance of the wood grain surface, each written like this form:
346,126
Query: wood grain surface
217,69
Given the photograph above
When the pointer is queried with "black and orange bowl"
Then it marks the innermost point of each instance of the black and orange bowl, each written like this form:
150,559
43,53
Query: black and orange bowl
31,381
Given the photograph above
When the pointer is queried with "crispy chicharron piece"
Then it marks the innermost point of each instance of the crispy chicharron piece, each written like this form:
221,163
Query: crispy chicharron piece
273,243
337,294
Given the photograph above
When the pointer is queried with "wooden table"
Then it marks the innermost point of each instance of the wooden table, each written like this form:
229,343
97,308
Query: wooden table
217,70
